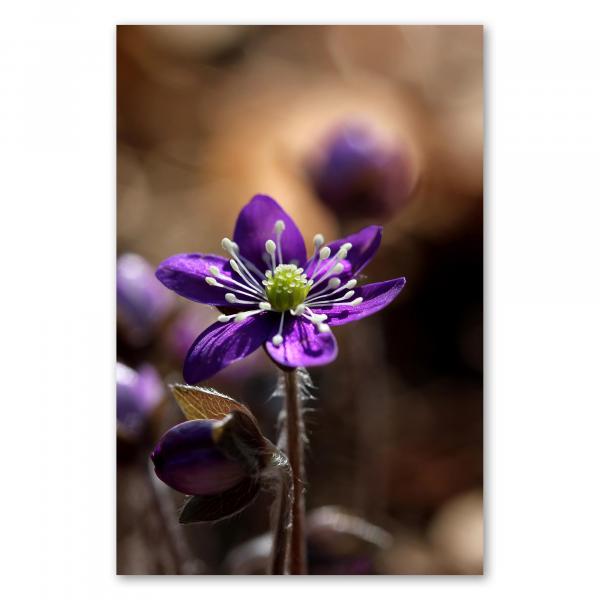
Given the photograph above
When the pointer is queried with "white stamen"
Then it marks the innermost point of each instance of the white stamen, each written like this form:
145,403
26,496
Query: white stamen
278,338
324,253
334,282
212,281
298,310
323,302
356,302
243,315
238,287
318,240
224,318
279,227
264,305
214,271
350,284
337,269
270,247
230,298
345,247
324,328
341,254
232,248
246,276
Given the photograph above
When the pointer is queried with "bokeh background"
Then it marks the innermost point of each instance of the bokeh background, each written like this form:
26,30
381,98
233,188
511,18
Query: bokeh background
345,126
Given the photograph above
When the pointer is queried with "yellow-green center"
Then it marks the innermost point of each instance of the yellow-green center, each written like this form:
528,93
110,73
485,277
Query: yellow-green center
286,287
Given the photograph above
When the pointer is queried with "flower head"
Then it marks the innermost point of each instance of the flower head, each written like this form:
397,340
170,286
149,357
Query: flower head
357,174
220,459
272,294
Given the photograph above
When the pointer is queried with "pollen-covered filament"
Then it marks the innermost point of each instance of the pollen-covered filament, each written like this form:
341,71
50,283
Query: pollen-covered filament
286,287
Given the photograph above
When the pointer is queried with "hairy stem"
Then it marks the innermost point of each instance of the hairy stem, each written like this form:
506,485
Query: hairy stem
295,454
281,520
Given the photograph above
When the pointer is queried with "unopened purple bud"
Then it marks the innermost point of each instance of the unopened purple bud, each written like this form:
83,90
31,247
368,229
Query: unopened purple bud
142,301
358,174
188,459
138,395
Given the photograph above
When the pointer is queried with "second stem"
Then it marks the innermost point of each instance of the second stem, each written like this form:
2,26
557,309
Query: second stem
295,453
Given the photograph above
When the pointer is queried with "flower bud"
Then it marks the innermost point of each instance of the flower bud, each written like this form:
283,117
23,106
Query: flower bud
188,459
142,301
357,174
138,394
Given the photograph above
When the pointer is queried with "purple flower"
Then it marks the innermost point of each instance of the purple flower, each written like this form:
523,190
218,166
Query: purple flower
138,394
356,174
188,459
220,462
142,303
273,295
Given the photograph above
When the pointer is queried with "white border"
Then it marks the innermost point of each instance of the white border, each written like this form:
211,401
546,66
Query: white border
542,284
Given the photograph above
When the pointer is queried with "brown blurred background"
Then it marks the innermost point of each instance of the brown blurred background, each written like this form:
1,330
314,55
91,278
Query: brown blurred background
208,116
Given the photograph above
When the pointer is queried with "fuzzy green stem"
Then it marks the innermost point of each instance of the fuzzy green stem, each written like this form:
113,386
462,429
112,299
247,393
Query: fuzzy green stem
295,453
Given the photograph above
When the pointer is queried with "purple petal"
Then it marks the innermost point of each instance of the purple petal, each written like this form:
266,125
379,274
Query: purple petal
188,459
365,244
223,343
303,345
255,225
186,274
375,297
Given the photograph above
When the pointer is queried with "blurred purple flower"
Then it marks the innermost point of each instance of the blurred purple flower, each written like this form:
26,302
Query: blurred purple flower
272,295
142,303
356,174
138,395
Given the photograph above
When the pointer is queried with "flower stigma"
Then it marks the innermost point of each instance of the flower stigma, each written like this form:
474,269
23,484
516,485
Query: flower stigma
286,287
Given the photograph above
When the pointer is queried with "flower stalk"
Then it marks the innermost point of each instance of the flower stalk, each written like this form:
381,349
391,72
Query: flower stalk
281,516
295,452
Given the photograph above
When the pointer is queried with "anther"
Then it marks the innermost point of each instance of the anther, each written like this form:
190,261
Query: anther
345,247
356,302
324,253
318,240
227,244
212,281
277,340
264,305
279,226
337,269
334,282
223,318
270,247
214,271
235,266
230,298
324,328
351,284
